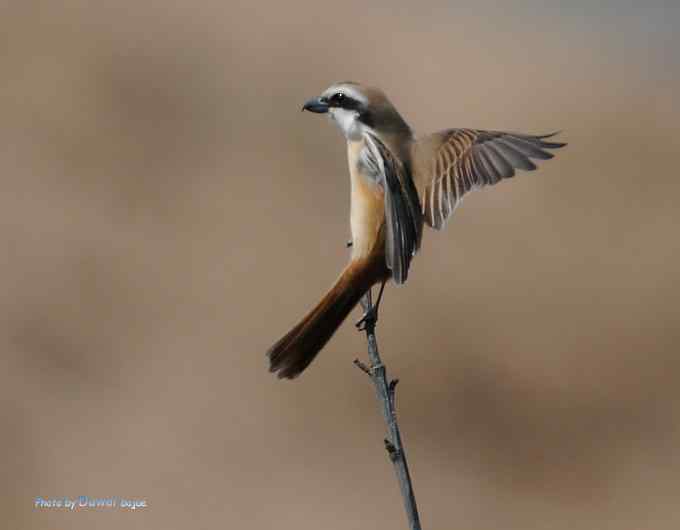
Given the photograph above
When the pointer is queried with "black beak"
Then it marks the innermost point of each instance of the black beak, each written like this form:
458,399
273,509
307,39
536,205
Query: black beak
316,105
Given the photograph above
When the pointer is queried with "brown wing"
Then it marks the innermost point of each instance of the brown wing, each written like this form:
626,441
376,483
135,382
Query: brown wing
403,219
450,163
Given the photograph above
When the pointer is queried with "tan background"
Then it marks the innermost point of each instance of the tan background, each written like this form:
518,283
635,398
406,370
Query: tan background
166,213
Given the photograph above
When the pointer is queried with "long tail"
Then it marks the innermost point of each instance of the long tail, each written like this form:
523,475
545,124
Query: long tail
293,353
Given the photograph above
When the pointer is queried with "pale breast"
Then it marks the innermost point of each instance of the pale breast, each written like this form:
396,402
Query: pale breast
367,212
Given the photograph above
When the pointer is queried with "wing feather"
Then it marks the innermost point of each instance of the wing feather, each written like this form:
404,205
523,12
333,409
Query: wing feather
451,163
403,215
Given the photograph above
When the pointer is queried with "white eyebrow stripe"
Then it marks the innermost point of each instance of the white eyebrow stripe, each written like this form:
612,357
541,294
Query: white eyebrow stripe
349,91
355,94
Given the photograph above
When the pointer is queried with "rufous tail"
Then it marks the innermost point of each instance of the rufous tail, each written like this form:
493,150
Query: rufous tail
292,354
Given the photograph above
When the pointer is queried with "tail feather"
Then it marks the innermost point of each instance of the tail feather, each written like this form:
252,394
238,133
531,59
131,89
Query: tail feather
298,348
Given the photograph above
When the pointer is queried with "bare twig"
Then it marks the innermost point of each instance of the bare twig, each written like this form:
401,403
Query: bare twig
385,392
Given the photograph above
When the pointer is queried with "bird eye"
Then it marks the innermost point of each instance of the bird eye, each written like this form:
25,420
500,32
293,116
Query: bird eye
339,97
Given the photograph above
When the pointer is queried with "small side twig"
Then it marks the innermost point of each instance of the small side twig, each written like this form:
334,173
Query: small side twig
385,392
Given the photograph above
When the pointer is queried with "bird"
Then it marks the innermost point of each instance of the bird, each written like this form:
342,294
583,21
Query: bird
399,182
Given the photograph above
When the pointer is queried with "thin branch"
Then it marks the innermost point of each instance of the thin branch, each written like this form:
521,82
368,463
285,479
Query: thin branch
385,392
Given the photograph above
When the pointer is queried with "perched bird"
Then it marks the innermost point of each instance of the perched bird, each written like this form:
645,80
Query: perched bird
398,182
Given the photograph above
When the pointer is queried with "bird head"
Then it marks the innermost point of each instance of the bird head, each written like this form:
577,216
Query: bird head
355,108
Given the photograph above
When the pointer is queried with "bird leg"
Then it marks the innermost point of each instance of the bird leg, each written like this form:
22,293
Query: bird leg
370,316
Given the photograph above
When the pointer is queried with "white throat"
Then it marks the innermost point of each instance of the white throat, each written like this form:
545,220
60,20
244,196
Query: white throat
348,122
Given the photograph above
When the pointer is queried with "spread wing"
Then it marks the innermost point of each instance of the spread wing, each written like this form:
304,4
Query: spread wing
450,163
403,217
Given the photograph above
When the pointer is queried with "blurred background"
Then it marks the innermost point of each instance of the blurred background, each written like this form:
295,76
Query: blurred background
167,213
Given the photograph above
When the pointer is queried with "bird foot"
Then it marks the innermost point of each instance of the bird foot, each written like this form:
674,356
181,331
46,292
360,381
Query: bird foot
369,319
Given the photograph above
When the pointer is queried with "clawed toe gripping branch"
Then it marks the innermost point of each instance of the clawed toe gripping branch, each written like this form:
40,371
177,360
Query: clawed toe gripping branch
385,392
